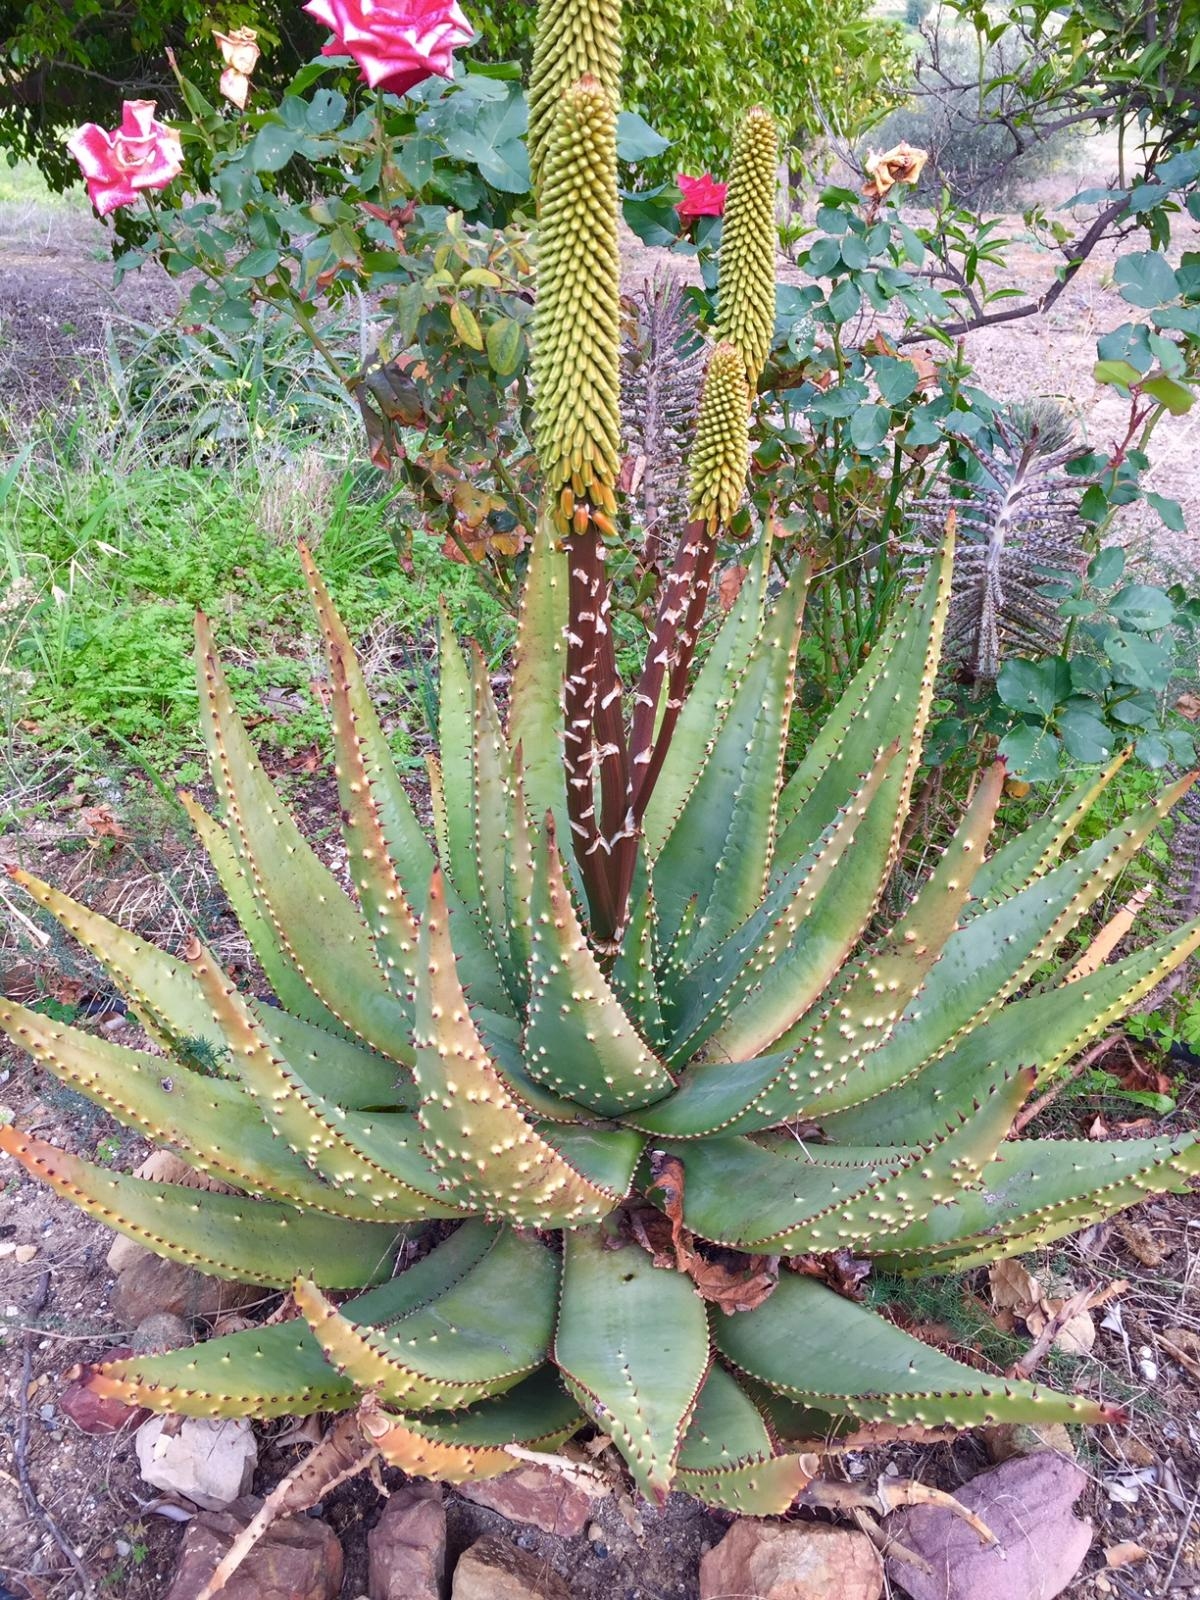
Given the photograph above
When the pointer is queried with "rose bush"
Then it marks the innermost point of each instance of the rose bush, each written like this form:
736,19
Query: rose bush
396,44
141,154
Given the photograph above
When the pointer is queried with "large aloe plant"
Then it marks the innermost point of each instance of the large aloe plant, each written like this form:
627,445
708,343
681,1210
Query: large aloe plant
626,1035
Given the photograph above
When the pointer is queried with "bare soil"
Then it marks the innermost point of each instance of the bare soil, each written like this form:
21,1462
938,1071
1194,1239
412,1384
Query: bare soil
55,300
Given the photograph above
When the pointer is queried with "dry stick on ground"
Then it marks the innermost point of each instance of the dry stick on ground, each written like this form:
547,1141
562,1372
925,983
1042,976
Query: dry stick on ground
1036,1107
33,1506
1165,1586
1085,1300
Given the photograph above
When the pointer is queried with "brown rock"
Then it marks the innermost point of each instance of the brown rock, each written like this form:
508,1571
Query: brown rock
161,1331
1009,1439
407,1546
147,1284
89,1412
791,1561
1026,1502
298,1558
534,1495
493,1569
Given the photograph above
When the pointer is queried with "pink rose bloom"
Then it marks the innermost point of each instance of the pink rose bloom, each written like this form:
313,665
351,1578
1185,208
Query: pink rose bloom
141,154
396,43
702,197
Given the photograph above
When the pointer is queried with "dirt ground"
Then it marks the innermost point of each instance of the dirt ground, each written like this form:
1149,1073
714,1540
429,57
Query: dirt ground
55,301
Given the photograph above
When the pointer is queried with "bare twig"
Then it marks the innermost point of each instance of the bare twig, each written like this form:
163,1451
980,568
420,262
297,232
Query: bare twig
1183,1533
1036,1107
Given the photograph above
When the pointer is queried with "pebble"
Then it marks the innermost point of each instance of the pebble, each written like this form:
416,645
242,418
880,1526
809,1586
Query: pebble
26,1252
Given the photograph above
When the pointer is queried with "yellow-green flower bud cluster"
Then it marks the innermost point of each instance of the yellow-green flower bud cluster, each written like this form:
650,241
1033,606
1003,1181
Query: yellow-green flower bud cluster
721,453
576,357
746,293
574,40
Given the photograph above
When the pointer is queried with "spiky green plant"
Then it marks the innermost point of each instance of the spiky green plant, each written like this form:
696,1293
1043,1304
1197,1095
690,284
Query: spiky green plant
625,1036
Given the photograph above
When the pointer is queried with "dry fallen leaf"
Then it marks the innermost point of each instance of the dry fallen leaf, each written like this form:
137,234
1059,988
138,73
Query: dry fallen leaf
1188,705
1124,1554
1013,1288
1141,1243
1183,1346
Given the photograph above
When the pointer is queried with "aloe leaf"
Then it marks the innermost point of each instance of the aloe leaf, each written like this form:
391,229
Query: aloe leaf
816,1347
474,1340
328,1139
706,706
634,975
172,1008
1042,1031
182,1108
793,1197
331,951
250,1241
281,1370
457,1447
535,714
390,858
1043,1187
727,1458
718,849
476,1135
1033,850
782,958
578,1039
985,962
632,1341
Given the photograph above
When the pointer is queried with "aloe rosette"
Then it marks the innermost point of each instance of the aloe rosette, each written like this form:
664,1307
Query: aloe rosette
629,1033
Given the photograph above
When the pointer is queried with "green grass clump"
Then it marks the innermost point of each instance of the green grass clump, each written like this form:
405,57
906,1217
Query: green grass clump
105,570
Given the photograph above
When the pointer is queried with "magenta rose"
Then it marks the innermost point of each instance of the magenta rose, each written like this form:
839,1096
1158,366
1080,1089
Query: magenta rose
141,154
396,43
702,197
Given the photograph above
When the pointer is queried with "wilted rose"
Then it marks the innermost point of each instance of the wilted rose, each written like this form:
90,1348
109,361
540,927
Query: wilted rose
904,163
141,154
396,43
702,197
240,53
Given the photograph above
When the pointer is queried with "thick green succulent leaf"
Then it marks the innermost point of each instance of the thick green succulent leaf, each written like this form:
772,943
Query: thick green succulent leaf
281,1370
476,1339
456,1447
388,1171
229,1236
718,850
535,711
707,704
189,1110
888,699
825,1351
784,956
331,951
476,1134
579,1041
981,966
175,1013
1042,1189
728,1459
793,1198
1034,849
1042,1031
634,975
390,858
632,1342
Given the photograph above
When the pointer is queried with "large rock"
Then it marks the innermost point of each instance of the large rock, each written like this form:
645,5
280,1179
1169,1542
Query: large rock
493,1569
407,1546
535,1495
209,1460
791,1561
1026,1502
298,1558
147,1284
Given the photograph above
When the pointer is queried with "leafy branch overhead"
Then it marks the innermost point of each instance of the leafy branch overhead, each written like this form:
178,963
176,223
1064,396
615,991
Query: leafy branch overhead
632,1028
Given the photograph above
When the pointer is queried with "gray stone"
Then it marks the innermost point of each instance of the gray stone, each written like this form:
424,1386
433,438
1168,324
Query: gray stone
160,1331
209,1460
